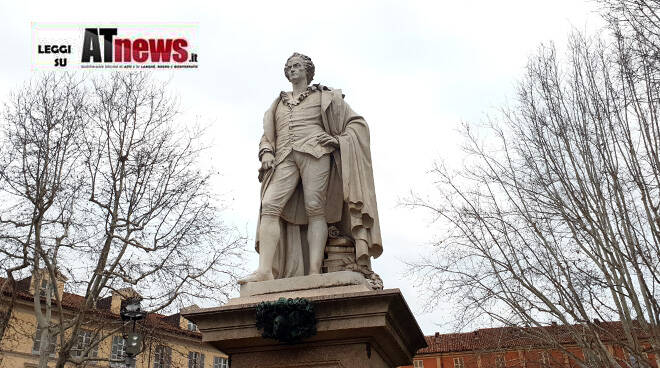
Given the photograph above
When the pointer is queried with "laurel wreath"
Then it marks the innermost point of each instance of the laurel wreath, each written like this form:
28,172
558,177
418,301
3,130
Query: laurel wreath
286,320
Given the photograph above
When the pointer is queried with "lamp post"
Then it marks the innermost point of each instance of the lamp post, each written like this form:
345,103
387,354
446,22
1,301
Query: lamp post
131,311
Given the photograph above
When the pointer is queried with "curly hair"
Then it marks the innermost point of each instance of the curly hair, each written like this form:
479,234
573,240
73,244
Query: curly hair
307,62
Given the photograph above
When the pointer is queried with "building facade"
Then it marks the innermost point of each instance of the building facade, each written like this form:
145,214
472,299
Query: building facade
170,341
507,347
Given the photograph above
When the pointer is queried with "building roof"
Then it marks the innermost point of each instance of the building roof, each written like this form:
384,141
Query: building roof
156,321
500,338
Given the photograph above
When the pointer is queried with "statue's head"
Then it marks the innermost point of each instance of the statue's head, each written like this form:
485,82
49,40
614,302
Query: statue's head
304,60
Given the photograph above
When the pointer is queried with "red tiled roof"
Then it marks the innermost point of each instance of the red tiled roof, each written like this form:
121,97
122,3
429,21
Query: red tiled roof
491,339
72,300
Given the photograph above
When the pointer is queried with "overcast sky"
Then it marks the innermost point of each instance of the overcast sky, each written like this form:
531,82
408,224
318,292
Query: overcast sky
414,70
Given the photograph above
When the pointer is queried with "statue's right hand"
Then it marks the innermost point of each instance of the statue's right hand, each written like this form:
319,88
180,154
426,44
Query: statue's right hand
267,160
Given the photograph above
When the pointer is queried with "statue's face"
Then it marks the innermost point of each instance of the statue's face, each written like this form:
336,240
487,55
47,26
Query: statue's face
295,70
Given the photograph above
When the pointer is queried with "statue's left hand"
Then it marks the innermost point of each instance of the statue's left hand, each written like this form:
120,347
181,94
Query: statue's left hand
328,140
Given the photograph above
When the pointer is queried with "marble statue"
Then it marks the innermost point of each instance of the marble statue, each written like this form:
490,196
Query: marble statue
315,170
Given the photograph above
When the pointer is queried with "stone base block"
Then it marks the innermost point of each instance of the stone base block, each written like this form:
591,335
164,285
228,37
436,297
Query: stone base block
354,354
332,283
362,329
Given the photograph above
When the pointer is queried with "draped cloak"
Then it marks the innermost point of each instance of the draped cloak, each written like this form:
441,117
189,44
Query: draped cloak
351,197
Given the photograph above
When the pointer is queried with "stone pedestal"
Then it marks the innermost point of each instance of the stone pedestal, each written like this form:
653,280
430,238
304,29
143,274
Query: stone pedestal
356,327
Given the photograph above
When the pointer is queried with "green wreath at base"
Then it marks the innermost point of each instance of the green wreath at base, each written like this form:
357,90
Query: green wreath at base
286,320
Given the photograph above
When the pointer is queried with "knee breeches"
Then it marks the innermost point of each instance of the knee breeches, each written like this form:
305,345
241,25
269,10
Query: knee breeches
313,172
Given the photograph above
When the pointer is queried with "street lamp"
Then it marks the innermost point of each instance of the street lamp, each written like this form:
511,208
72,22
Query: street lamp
131,311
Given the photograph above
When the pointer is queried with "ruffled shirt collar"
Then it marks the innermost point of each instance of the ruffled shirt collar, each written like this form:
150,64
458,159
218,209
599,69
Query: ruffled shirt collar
288,100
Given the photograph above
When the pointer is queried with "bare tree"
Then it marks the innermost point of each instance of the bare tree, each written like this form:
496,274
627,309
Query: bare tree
38,181
556,214
639,18
116,199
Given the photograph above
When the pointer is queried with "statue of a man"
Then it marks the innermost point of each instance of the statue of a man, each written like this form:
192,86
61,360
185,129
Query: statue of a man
315,169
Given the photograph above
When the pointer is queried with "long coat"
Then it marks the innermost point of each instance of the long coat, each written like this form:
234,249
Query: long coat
351,197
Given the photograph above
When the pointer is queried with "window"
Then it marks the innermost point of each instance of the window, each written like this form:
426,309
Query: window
458,362
163,357
192,326
84,341
44,287
418,363
545,360
119,352
219,362
37,343
499,361
634,363
195,359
